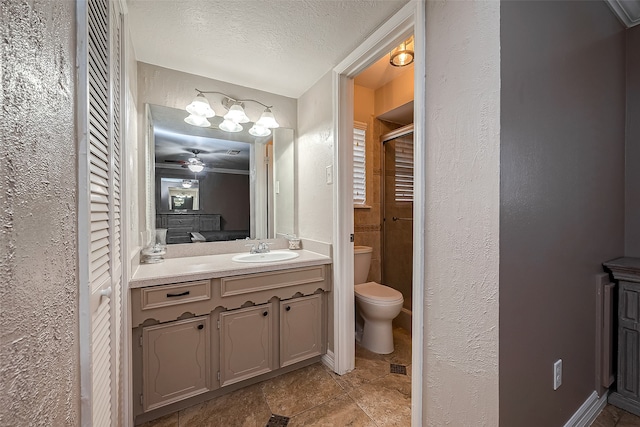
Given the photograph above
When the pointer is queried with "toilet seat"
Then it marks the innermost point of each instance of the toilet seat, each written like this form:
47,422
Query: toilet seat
375,293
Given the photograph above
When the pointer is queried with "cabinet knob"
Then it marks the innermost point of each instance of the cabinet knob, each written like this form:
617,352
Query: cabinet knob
288,308
266,313
200,326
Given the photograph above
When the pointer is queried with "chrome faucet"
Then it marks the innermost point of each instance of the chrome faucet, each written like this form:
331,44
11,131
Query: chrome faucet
261,248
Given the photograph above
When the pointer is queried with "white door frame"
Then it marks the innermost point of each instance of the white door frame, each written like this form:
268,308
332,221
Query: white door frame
410,19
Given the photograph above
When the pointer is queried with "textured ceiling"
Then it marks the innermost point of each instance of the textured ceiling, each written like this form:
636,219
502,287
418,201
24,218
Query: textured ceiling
279,46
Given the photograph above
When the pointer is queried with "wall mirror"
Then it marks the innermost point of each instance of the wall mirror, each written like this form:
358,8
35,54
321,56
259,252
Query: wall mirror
238,191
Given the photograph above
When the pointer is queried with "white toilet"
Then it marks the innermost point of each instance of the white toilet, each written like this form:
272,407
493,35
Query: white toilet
377,304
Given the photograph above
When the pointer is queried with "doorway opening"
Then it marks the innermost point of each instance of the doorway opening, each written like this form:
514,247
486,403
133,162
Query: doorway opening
409,20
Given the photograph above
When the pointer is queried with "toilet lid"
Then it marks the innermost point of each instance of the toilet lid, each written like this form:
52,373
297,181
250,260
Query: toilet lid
377,292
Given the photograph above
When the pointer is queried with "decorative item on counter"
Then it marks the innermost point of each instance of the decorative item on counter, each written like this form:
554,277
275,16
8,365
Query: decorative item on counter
294,242
154,244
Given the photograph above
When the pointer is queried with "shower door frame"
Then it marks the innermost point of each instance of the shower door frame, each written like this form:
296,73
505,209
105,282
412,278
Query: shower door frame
396,133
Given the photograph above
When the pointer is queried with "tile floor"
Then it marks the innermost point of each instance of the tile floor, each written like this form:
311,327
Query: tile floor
369,396
615,417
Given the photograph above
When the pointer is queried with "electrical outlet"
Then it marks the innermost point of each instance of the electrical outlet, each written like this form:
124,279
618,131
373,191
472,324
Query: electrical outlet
557,374
330,174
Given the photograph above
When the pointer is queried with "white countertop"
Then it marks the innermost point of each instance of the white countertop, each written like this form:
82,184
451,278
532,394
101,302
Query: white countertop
187,269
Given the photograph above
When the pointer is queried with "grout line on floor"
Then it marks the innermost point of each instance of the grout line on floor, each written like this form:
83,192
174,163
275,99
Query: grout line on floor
362,409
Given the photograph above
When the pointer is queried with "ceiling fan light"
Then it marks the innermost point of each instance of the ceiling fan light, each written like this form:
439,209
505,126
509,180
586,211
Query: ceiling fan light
267,120
200,107
230,126
196,120
257,130
236,114
196,167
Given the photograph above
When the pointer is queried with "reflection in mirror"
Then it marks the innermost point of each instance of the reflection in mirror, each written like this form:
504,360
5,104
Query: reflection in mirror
211,185
203,185
181,194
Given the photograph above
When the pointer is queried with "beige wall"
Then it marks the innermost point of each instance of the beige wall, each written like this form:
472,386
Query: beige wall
314,153
397,92
39,366
460,370
632,156
563,114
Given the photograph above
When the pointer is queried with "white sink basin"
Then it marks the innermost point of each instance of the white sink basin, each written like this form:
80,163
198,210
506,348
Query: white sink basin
273,256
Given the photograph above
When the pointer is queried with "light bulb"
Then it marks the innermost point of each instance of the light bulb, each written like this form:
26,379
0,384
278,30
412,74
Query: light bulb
257,130
196,167
199,121
200,107
230,126
267,120
236,114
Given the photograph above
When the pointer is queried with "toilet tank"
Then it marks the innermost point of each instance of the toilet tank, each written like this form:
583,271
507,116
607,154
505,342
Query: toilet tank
361,263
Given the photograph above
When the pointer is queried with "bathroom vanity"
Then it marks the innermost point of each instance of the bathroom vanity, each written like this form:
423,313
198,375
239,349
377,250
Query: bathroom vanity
204,326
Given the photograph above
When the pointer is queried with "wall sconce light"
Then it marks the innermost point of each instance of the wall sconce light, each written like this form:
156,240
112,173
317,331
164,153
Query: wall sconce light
200,110
403,54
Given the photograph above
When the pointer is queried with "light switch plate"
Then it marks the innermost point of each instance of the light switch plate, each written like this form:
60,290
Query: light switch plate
330,174
557,374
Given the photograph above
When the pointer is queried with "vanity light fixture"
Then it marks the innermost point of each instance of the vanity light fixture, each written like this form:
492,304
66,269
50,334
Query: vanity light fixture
200,110
229,125
403,54
236,114
257,130
267,120
199,121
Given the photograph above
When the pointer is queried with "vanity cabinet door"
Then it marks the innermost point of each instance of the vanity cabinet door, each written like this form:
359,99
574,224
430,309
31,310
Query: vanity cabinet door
629,341
300,329
176,360
245,343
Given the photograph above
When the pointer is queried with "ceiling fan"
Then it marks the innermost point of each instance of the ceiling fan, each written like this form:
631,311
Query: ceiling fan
194,164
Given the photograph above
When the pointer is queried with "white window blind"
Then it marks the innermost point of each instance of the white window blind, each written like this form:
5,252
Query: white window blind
359,163
404,171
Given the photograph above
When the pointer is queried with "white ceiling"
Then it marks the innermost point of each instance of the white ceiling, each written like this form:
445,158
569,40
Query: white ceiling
279,46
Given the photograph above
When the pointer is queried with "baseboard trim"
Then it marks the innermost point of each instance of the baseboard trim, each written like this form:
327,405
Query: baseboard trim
588,412
329,360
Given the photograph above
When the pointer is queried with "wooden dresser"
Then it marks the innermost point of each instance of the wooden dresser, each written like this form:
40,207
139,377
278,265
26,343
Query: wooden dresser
626,272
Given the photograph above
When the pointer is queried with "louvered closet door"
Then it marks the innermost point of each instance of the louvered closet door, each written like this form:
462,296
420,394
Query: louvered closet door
99,205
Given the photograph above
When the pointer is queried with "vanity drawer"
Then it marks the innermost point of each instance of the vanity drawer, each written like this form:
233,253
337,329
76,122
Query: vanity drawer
238,285
179,237
168,295
175,221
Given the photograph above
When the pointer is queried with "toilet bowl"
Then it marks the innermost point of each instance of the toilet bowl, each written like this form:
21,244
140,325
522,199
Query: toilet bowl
377,304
